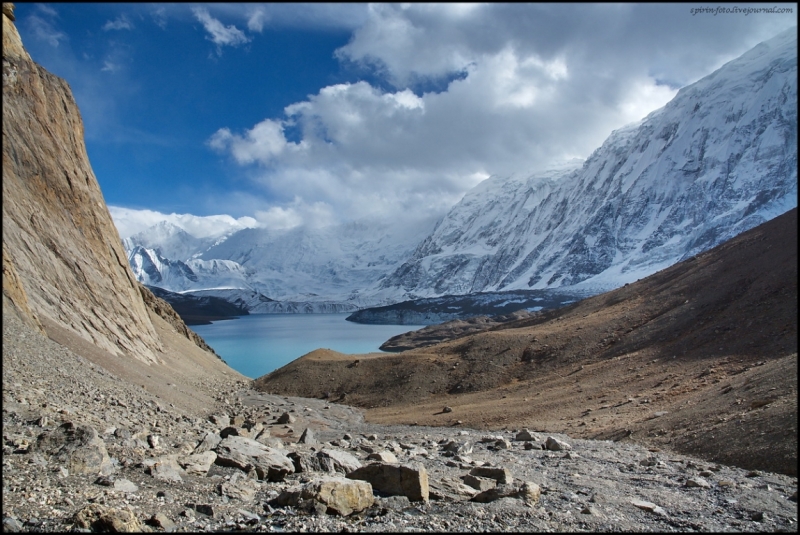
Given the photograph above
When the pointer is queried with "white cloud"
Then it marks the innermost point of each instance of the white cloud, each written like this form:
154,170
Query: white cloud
255,23
529,85
41,25
264,141
220,34
109,66
120,23
130,221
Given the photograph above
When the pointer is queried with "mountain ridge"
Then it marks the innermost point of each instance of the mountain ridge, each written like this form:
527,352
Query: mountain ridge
718,159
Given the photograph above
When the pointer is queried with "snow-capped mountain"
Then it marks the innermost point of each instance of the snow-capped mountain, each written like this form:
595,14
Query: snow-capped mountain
297,270
718,159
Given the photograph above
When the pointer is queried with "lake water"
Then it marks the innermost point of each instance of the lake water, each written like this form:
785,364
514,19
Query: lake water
257,344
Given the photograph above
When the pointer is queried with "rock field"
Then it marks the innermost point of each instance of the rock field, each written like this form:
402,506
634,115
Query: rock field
84,450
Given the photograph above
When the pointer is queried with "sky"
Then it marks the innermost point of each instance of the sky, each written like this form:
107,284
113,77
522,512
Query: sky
279,115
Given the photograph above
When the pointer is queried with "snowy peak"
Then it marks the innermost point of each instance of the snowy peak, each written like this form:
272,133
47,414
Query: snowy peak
720,158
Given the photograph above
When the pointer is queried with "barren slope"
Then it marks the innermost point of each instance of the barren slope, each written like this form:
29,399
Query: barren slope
700,357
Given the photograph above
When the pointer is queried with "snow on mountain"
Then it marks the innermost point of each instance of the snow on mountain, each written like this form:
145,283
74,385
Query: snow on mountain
307,269
717,160
315,264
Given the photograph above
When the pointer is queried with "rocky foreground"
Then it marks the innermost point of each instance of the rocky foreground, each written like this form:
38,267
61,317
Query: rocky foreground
84,450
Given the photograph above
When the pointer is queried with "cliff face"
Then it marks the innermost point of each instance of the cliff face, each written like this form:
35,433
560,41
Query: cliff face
58,236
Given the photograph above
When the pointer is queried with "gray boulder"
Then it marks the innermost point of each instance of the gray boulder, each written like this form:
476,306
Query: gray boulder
247,454
410,480
78,448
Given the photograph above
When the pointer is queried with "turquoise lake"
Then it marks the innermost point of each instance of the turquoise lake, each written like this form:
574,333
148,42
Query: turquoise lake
260,343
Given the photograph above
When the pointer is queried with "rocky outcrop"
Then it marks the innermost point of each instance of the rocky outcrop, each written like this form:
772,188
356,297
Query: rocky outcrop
57,232
63,260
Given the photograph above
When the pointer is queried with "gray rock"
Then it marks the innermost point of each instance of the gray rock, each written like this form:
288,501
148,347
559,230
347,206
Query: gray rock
286,418
529,492
243,489
124,485
502,444
246,454
337,461
501,475
458,447
11,525
648,506
555,444
307,437
209,442
526,435
382,456
167,469
160,520
220,419
198,463
78,448
697,482
410,480
479,483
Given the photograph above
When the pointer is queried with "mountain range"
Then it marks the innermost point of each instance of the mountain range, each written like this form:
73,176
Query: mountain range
718,159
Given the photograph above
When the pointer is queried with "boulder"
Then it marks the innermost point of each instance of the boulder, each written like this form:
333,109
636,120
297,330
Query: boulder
555,444
209,442
338,495
530,492
167,469
479,483
239,488
286,418
78,448
198,463
247,454
383,456
501,475
410,480
526,435
308,437
98,517
337,461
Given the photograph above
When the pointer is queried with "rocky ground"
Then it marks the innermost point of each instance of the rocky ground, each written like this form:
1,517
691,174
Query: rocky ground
84,449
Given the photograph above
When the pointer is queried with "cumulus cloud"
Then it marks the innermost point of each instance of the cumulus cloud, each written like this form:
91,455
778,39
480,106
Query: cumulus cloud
220,34
131,221
528,85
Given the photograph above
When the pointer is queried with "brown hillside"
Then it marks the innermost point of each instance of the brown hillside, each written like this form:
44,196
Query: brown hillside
700,358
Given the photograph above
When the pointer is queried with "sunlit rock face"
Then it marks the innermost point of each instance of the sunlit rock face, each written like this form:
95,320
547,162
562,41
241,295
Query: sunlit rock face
58,236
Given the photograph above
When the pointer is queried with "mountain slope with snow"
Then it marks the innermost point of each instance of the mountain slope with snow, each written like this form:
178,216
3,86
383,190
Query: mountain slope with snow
717,160
299,269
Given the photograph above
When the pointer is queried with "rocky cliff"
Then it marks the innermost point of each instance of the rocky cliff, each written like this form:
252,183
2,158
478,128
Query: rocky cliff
59,242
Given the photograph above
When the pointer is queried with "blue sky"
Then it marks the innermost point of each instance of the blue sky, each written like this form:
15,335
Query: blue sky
291,114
